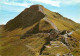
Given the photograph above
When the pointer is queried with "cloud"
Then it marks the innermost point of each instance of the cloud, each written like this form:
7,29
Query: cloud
14,3
10,5
10,8
69,2
17,4
50,2
27,3
58,2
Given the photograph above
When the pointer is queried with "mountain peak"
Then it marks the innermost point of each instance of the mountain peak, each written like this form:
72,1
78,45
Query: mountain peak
26,18
37,31
37,19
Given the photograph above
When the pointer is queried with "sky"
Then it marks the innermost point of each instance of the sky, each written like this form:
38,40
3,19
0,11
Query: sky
9,9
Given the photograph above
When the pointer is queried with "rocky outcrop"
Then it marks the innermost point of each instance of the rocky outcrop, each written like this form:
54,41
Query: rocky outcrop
65,39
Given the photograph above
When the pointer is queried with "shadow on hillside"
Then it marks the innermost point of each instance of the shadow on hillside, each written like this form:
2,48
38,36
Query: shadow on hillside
26,18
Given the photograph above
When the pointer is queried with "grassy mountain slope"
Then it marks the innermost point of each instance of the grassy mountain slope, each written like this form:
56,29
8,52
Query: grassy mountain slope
14,46
31,21
76,34
61,22
32,16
